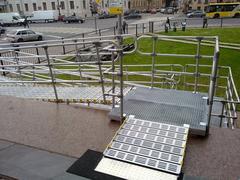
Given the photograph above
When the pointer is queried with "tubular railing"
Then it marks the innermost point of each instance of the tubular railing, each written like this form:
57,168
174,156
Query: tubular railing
46,63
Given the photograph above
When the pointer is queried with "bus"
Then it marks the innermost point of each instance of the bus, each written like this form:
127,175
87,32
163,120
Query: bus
219,10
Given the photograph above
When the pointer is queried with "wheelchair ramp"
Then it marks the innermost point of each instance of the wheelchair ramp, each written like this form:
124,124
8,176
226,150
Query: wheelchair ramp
142,149
166,106
88,94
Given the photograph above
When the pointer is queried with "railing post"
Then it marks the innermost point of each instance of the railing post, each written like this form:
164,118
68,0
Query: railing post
151,30
120,74
37,51
99,33
83,39
212,84
143,28
136,30
197,65
99,63
78,59
153,60
113,80
221,117
17,62
4,74
114,30
51,73
95,23
64,50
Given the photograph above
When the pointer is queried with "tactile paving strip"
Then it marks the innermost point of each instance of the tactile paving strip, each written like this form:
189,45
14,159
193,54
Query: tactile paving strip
149,144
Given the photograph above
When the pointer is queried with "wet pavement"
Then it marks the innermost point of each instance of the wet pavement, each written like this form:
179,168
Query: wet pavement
40,140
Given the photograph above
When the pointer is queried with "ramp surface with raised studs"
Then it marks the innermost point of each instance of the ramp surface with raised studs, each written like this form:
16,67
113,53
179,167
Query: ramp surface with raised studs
149,144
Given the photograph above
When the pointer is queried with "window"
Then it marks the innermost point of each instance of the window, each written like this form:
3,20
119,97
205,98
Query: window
205,1
71,4
34,6
18,8
44,5
26,7
53,5
10,8
30,32
62,4
84,4
24,32
15,18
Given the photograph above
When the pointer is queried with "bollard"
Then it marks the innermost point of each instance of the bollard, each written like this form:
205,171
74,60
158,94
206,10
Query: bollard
184,24
221,22
151,30
174,27
166,28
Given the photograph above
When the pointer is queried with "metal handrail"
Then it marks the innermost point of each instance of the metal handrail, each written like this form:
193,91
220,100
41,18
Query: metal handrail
97,71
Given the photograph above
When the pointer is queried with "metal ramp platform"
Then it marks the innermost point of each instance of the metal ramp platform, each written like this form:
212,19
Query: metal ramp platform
88,94
166,106
151,150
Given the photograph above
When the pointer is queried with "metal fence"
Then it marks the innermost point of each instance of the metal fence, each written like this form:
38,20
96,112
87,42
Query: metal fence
83,65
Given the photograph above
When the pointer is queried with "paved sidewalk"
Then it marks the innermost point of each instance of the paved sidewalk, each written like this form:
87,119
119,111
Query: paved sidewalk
27,163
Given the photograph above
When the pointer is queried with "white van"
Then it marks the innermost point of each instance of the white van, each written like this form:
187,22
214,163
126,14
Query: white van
43,16
7,19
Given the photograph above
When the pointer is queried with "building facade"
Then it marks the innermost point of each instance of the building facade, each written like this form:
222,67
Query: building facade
146,4
64,7
3,5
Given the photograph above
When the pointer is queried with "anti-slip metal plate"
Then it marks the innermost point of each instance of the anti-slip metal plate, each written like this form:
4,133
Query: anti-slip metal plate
174,107
149,144
130,171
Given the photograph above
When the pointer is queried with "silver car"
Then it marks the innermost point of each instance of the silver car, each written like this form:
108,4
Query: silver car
21,35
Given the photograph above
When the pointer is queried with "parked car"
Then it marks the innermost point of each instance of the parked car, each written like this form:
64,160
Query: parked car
196,14
2,30
153,11
43,16
61,17
190,11
106,16
162,10
73,19
12,18
130,11
133,16
169,10
21,35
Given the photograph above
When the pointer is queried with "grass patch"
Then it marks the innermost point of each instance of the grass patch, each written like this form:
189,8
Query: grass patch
228,57
230,35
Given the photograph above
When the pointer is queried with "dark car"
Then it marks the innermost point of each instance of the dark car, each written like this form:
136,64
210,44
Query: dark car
106,16
2,30
196,14
190,11
131,11
73,19
133,16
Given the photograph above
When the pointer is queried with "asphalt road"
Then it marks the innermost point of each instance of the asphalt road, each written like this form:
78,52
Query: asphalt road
60,29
